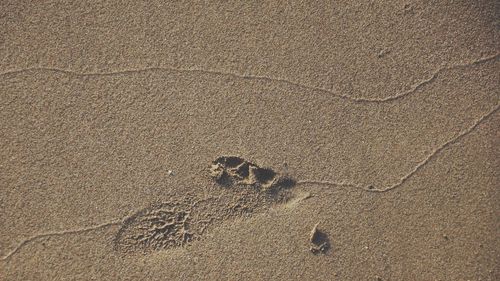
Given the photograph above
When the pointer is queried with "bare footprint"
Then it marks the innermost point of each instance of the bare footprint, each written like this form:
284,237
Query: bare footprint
178,223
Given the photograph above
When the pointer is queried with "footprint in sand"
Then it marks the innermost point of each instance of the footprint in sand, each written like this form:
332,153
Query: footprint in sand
246,189
232,170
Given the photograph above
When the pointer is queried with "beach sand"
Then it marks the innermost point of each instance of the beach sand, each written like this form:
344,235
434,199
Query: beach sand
356,140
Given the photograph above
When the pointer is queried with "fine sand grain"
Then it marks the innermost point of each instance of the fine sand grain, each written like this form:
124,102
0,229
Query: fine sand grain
155,140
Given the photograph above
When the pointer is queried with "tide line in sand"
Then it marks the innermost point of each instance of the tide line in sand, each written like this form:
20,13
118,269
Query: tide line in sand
394,97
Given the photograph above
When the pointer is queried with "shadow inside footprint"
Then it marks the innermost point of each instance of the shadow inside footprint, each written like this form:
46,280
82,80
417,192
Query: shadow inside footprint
264,176
320,243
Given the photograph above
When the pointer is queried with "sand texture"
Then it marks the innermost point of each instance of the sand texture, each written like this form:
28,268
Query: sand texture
157,140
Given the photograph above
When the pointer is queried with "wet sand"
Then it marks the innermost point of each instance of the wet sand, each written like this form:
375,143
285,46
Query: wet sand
272,141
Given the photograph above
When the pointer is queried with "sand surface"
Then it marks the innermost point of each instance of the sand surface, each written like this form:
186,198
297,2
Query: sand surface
356,140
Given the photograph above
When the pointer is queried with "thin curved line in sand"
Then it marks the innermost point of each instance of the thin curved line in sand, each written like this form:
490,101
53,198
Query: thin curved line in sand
58,233
266,78
419,166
